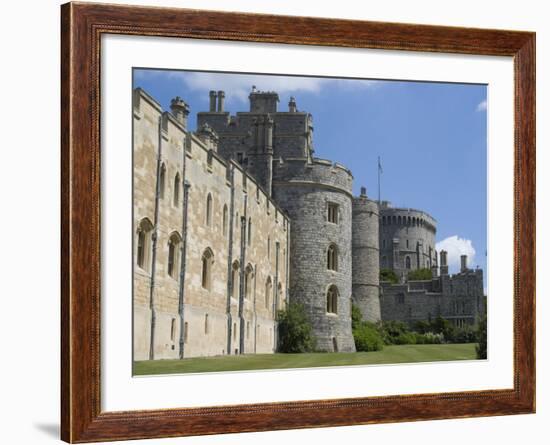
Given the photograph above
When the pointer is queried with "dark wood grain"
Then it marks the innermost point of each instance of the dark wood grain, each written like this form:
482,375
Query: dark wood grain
81,28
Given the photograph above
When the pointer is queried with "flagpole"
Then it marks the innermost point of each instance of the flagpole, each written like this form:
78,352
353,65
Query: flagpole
378,180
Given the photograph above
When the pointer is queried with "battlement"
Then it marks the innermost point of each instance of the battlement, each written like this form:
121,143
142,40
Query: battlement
406,217
320,172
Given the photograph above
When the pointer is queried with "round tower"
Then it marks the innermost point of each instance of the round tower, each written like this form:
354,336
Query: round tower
407,240
317,197
366,257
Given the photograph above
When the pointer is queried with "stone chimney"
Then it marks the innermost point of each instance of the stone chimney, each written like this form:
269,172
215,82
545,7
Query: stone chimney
443,268
221,97
292,105
180,110
463,263
213,97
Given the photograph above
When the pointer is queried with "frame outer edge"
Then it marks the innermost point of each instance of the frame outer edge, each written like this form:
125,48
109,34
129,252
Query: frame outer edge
66,89
82,420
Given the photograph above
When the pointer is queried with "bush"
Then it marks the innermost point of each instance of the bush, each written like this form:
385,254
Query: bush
388,275
367,338
365,335
420,274
481,334
295,330
429,338
356,316
405,338
391,330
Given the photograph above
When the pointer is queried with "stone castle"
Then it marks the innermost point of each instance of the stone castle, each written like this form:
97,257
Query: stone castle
234,220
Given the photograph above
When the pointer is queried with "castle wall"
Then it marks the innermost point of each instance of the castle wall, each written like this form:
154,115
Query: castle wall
458,298
305,191
366,257
406,233
220,318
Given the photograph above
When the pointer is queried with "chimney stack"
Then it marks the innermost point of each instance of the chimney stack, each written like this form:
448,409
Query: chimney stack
443,268
463,263
292,105
212,101
221,96
180,110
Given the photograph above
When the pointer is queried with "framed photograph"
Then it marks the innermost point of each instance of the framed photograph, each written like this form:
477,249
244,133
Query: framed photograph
274,222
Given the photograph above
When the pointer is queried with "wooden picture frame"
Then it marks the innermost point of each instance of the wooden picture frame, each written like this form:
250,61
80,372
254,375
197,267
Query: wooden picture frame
82,26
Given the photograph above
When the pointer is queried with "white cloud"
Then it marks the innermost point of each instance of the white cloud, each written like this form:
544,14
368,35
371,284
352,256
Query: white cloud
237,87
482,106
455,247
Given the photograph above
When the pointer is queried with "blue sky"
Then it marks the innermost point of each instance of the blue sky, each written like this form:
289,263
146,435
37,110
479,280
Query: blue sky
431,138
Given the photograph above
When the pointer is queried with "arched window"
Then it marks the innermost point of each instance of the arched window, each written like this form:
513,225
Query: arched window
173,329
332,299
235,279
248,284
209,210
407,262
224,220
174,246
177,190
332,257
162,181
144,231
249,231
399,220
268,292
207,262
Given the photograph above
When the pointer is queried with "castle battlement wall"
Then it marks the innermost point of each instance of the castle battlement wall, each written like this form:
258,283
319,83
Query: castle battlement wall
318,173
407,240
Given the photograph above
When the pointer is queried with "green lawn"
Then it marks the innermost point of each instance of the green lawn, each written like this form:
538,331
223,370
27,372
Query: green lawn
390,354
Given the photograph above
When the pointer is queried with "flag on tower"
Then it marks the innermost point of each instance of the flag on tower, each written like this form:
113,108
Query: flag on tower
380,166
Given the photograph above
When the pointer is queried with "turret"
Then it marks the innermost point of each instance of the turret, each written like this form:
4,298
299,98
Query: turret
263,101
366,256
180,110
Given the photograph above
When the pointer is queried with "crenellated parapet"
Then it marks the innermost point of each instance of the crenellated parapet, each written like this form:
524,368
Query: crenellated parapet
317,173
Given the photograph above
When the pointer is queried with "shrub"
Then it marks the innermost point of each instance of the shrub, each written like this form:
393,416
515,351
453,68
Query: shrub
428,338
295,330
367,338
420,274
391,330
356,316
388,275
481,334
405,338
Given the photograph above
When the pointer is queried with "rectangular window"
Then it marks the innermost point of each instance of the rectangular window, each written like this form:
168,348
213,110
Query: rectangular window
240,157
332,216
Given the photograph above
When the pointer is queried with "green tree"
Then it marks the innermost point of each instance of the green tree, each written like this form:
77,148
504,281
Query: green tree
295,330
388,275
481,348
420,274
